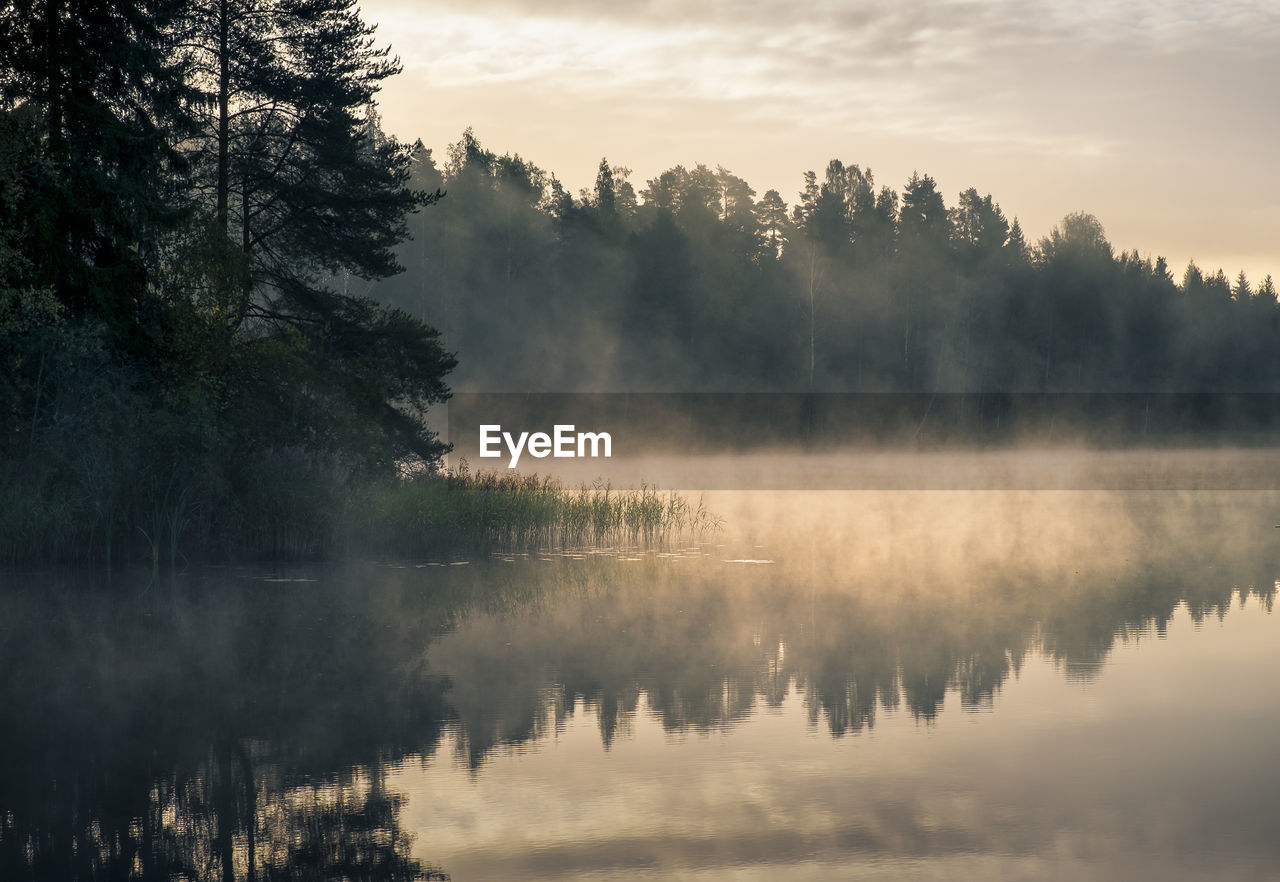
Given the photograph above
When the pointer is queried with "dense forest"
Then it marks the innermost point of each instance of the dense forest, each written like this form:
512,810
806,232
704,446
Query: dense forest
184,189
695,284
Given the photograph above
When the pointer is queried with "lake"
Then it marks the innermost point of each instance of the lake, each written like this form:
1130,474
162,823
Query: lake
956,683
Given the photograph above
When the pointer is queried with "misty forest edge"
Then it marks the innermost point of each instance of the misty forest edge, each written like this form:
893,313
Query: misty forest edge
210,346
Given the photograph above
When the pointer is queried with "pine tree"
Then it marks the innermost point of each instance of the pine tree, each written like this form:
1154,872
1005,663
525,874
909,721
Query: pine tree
979,228
923,217
95,79
299,183
300,191
771,217
1267,290
1241,290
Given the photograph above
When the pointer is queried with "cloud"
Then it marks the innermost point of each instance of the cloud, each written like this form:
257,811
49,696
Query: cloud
1039,75
1109,90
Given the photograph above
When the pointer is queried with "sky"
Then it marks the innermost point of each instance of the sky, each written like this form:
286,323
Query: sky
1160,117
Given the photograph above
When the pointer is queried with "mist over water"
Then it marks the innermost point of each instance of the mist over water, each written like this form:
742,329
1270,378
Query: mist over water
970,683
873,441
1012,469
965,555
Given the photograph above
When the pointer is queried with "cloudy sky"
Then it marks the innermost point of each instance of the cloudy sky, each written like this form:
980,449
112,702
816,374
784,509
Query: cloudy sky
1161,118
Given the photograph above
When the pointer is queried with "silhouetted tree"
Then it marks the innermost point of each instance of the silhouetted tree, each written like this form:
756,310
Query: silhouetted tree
772,220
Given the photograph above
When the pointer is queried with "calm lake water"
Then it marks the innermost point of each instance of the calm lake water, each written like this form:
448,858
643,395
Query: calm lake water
1012,684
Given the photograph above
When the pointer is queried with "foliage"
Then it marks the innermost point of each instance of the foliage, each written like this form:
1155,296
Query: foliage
695,285
186,191
461,510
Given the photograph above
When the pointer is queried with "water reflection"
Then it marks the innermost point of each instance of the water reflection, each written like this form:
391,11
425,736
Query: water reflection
247,725
208,729
707,654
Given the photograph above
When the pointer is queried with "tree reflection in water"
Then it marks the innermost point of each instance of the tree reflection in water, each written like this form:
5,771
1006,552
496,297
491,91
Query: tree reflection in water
226,726
207,731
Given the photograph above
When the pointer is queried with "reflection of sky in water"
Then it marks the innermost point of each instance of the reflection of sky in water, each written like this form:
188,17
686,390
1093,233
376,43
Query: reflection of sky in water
1161,766
972,684
965,684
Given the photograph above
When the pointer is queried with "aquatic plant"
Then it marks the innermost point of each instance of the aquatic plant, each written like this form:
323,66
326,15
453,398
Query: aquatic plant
461,509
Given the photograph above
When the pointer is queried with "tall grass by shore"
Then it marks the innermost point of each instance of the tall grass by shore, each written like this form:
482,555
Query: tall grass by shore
298,507
464,510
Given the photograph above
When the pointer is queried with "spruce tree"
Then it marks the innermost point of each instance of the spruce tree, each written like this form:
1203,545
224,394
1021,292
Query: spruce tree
93,85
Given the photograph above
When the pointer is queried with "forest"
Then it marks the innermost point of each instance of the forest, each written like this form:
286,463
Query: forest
693,284
228,298
184,190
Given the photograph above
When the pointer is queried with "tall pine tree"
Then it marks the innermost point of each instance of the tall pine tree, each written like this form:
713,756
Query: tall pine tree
300,192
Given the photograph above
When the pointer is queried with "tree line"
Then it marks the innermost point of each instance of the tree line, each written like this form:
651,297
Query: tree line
198,203
695,284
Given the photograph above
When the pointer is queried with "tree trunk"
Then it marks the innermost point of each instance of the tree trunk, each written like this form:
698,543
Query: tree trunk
223,183
53,67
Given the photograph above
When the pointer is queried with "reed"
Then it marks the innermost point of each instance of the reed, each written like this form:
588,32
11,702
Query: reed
464,510
291,504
